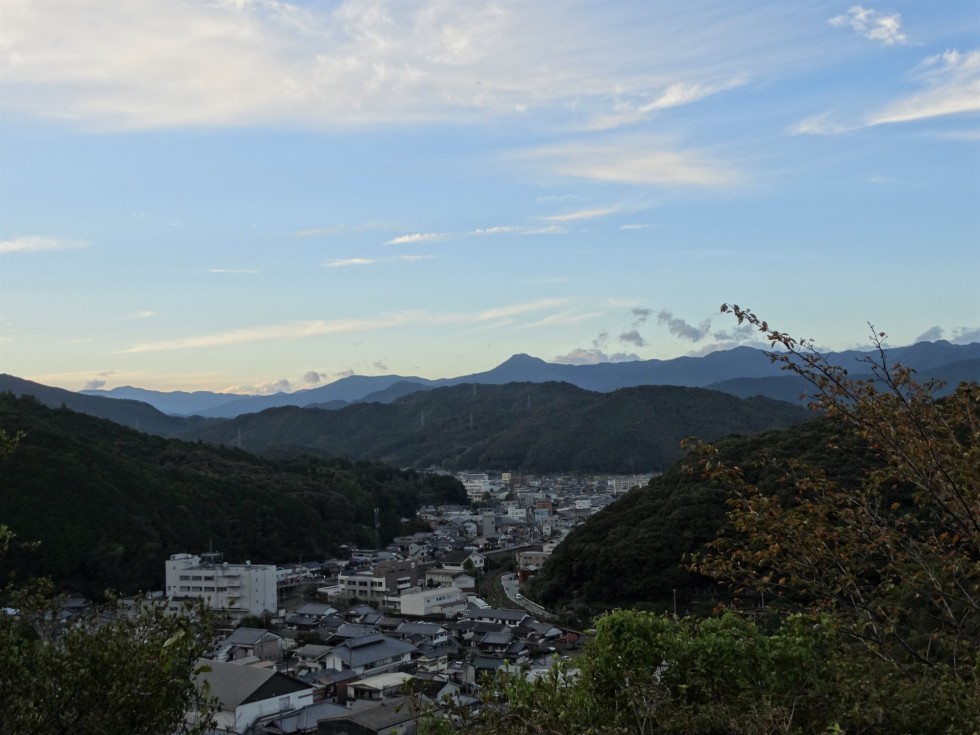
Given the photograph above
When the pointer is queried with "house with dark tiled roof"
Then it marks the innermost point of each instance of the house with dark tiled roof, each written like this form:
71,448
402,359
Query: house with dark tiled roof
246,694
310,657
390,717
245,642
370,654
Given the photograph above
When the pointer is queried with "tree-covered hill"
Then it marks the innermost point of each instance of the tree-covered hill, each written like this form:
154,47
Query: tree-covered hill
128,412
109,504
529,427
631,553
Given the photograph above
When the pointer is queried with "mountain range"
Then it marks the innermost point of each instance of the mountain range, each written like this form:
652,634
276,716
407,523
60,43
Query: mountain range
742,371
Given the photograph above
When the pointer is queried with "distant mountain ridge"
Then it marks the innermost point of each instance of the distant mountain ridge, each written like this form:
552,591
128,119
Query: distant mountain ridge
527,427
736,371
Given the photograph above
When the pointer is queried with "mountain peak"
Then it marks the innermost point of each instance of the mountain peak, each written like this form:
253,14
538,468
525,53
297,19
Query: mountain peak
521,359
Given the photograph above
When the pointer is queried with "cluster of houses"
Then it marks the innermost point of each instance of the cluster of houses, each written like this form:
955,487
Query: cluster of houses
360,670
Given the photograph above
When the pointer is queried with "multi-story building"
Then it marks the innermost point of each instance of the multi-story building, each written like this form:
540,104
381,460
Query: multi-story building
381,584
238,589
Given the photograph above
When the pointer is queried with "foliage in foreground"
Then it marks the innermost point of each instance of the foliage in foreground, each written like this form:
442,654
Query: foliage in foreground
646,673
118,669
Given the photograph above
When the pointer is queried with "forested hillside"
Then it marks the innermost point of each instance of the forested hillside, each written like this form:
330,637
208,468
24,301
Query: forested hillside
632,552
528,427
109,504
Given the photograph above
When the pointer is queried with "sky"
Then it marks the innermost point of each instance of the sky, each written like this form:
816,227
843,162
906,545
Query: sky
258,195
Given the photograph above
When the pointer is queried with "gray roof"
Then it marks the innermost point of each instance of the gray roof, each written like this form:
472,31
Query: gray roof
354,630
246,636
307,718
317,609
233,684
312,651
369,649
497,639
407,628
498,614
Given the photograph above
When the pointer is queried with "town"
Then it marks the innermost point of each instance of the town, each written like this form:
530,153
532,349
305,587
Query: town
363,644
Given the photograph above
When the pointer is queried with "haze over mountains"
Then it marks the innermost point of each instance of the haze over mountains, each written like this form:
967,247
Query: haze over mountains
742,371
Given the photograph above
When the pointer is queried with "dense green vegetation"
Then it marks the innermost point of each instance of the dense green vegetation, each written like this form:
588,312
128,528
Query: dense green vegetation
527,427
633,552
648,674
109,504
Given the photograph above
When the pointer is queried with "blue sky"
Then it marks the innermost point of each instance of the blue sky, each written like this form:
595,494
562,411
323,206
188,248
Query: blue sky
261,195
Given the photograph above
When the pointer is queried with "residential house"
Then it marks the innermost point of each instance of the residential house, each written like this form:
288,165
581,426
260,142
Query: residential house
245,642
246,694
370,654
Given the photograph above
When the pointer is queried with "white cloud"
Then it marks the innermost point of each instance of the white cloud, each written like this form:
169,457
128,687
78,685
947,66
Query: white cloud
965,335
306,329
344,263
587,356
37,243
885,28
565,318
826,123
160,64
417,237
951,86
930,335
629,161
582,214
674,95
479,232
952,81
261,389
635,226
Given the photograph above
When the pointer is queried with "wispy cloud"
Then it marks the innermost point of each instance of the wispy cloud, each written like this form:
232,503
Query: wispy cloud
630,161
364,62
347,262
952,81
951,86
418,237
825,123
565,318
480,232
674,95
884,28
582,214
594,354
305,329
38,243
635,226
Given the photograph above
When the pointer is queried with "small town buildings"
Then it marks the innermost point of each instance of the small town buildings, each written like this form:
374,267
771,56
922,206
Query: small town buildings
250,642
370,654
247,693
239,589
441,601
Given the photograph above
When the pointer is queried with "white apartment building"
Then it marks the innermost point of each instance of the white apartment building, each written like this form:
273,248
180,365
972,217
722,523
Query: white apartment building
624,483
445,601
239,589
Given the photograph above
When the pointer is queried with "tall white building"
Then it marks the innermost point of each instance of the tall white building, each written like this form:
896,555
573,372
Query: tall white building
239,589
